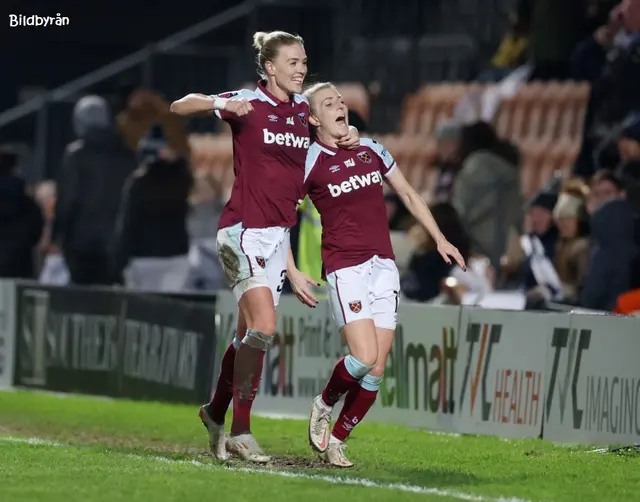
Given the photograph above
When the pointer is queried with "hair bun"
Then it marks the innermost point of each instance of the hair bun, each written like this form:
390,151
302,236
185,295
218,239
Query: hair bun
259,38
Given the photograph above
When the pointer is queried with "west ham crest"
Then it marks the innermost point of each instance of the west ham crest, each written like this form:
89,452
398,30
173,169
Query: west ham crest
260,261
356,306
303,119
365,157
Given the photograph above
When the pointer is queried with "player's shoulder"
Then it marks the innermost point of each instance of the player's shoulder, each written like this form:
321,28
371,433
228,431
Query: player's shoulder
316,154
378,148
299,99
372,144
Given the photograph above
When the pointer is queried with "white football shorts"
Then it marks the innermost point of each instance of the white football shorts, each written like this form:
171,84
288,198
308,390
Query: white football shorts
253,258
367,291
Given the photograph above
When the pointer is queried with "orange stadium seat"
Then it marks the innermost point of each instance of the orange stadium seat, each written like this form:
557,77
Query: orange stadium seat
544,119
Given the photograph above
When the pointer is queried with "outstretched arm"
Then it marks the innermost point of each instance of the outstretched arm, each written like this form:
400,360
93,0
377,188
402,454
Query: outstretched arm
194,104
420,211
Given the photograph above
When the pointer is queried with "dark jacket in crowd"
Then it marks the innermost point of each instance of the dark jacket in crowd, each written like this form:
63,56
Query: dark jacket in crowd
94,170
155,205
427,269
613,94
21,225
614,248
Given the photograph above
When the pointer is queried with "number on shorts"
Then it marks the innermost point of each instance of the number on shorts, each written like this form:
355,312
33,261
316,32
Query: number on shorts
397,300
283,276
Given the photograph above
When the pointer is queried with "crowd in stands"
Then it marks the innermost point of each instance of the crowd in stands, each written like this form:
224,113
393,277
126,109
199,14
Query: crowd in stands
533,172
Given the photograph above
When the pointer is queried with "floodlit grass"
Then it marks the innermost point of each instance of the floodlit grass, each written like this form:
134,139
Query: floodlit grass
103,450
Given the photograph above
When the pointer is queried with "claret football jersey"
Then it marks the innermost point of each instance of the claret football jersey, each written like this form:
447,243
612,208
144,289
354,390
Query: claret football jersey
346,188
269,150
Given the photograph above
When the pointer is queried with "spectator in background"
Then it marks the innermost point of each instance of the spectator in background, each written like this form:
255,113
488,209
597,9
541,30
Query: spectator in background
94,169
572,250
486,193
144,109
628,171
589,58
21,221
53,270
605,186
206,207
426,268
540,279
448,144
613,242
512,51
152,241
556,28
615,90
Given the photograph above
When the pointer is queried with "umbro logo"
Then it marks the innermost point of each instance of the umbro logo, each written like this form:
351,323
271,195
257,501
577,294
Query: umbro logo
273,118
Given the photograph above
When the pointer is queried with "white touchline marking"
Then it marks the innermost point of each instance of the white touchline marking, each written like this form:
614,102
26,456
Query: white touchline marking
336,480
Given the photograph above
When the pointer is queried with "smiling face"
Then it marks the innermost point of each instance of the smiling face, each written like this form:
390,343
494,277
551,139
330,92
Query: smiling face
289,68
329,113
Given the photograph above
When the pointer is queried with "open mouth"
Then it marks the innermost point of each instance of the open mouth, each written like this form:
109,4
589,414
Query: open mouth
340,119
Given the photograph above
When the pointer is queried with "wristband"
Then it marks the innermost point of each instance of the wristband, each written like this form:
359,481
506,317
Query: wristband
220,103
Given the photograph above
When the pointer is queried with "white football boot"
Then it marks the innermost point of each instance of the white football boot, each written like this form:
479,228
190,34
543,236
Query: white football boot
216,434
246,447
319,425
335,456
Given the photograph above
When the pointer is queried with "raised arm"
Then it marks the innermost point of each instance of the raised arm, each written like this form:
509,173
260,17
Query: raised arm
227,106
194,104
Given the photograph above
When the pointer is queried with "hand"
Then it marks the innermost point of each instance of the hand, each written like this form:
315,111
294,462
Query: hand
298,204
239,107
300,285
351,141
446,250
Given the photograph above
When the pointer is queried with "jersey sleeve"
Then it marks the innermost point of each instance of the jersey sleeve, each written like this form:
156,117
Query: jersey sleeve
384,155
233,96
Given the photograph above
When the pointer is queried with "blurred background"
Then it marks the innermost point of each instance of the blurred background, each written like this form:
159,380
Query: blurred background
517,120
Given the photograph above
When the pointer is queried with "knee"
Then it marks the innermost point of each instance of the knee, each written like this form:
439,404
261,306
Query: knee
267,326
377,369
366,355
358,368
265,322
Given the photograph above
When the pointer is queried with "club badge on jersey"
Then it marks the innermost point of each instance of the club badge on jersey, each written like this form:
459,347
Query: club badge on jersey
356,306
303,119
364,157
261,261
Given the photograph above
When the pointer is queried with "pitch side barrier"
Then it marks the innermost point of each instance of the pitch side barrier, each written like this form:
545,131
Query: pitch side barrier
566,376
112,342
